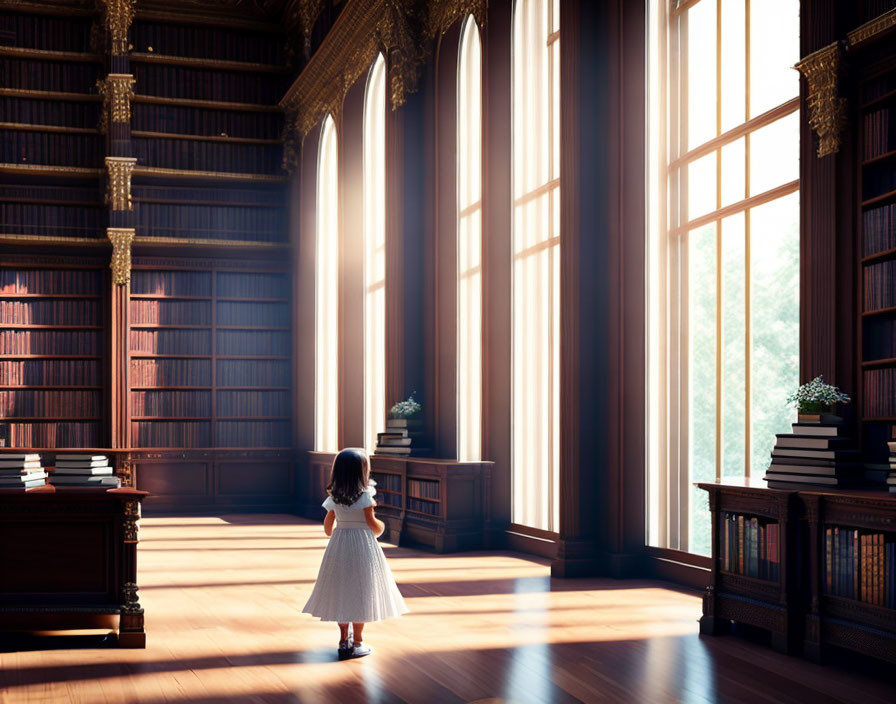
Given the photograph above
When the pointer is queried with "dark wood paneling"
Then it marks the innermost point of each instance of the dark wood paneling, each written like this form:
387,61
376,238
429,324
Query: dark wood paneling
169,480
245,482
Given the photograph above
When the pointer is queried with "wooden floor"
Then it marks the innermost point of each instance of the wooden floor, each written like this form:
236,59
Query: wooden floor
222,599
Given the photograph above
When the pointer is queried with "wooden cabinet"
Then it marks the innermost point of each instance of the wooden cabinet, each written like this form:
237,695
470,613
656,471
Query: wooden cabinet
70,561
766,599
441,504
837,580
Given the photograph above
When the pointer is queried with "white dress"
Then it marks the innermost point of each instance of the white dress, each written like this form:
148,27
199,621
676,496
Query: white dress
354,584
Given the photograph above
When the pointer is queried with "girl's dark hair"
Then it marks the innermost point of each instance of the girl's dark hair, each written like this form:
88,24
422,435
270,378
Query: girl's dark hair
349,476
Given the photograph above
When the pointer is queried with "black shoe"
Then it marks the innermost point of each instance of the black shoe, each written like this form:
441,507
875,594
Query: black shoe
345,651
359,650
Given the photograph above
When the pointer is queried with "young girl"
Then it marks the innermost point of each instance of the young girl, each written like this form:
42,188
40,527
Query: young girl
354,584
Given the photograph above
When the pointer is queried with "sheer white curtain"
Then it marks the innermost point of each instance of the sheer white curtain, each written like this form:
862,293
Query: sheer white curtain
326,318
469,244
536,263
375,253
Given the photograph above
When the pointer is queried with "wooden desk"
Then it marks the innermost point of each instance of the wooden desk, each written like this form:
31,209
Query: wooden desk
68,559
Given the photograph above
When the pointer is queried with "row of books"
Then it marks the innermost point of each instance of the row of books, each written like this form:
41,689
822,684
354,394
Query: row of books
55,403
239,285
198,434
203,155
164,312
387,482
171,434
879,132
428,507
207,42
423,489
879,229
247,433
253,403
175,312
265,343
51,342
178,119
51,148
878,178
253,222
880,285
393,500
56,194
50,219
49,75
172,372
878,87
257,314
51,434
51,281
750,546
50,372
197,372
47,32
860,565
50,312
879,398
171,283
171,341
262,194
196,404
68,113
207,84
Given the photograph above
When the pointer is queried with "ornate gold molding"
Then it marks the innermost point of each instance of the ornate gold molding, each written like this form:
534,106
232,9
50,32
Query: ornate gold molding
120,264
117,18
871,29
402,30
118,191
117,91
131,603
827,110
131,520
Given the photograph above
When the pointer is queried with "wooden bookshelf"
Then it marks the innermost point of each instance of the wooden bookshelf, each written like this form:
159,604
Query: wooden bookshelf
837,580
52,392
207,352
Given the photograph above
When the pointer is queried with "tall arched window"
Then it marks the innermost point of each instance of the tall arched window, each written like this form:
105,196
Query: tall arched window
469,244
375,253
536,263
326,316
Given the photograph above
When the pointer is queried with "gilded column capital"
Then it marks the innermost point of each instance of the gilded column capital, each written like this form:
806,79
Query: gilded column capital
117,18
827,110
117,91
121,239
118,191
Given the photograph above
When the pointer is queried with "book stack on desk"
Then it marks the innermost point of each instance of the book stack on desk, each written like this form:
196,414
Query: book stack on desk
403,438
814,454
84,472
21,471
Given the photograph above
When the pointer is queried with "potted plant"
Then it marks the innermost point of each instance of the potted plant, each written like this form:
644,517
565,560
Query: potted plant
815,399
406,409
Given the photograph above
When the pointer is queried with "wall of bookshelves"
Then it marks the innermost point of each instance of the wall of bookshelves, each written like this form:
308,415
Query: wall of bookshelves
877,176
51,149
206,131
52,352
210,355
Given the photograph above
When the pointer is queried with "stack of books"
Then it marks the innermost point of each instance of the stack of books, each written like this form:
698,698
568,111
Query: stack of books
891,468
814,454
21,471
402,438
84,472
